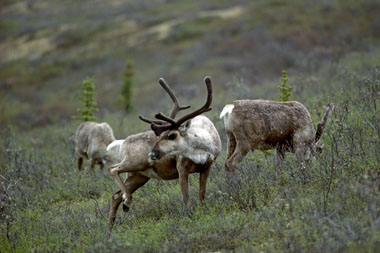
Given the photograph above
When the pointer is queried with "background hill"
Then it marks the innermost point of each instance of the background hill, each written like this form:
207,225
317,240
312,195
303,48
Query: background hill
48,47
331,51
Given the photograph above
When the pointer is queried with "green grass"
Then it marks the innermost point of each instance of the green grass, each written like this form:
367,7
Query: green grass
8,26
191,30
331,206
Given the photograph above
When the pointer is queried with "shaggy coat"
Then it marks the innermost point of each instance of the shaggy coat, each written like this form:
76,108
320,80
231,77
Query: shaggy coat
264,125
145,156
91,141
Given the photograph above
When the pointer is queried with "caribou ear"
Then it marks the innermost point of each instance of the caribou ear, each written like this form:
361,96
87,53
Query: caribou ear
184,127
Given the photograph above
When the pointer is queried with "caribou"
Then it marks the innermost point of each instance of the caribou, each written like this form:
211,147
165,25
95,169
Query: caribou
91,141
265,125
172,150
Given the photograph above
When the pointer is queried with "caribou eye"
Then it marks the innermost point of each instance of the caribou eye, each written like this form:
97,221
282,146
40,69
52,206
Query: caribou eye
172,136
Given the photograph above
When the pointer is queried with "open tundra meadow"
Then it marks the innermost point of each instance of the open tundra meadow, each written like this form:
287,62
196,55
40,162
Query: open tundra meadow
331,52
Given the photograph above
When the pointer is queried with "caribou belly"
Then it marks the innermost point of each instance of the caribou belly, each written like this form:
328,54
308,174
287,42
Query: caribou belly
150,173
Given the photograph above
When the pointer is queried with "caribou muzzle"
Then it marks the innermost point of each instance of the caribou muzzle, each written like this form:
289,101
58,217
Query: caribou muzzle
154,155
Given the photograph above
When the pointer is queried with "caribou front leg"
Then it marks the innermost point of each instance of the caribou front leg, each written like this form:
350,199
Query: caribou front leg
184,165
202,183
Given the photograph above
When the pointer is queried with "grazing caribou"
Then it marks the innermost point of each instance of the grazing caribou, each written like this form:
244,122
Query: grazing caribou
264,125
91,141
174,149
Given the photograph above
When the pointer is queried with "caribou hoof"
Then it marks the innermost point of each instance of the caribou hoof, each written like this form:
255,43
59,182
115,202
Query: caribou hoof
125,208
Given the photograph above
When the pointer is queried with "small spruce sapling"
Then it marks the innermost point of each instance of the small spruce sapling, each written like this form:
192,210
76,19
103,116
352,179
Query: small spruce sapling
285,90
127,86
87,94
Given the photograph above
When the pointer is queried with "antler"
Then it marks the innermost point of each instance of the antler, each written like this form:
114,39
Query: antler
204,108
176,108
321,125
160,127
150,121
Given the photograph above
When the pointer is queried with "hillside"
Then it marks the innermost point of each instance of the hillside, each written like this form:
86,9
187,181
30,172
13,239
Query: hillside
331,52
48,47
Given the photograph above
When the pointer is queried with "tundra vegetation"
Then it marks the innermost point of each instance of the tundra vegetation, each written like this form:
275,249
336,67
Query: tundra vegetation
330,50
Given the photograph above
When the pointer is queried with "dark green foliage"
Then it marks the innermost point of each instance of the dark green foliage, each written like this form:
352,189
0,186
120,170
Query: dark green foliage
127,86
87,98
285,90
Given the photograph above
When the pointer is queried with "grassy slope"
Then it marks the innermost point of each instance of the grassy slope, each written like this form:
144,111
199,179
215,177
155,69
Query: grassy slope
332,206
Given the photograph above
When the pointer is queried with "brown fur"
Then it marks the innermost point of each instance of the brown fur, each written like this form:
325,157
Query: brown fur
91,141
264,125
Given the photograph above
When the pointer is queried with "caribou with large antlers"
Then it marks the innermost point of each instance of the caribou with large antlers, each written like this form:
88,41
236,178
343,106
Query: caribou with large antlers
174,149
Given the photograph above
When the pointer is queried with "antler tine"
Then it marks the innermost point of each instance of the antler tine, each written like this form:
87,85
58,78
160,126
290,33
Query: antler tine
204,108
163,117
177,107
150,121
159,129
156,125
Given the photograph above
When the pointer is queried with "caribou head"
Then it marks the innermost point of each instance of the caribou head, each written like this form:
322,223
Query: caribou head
174,135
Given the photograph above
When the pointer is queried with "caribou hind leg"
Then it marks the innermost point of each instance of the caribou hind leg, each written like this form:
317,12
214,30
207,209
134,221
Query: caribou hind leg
238,155
231,146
